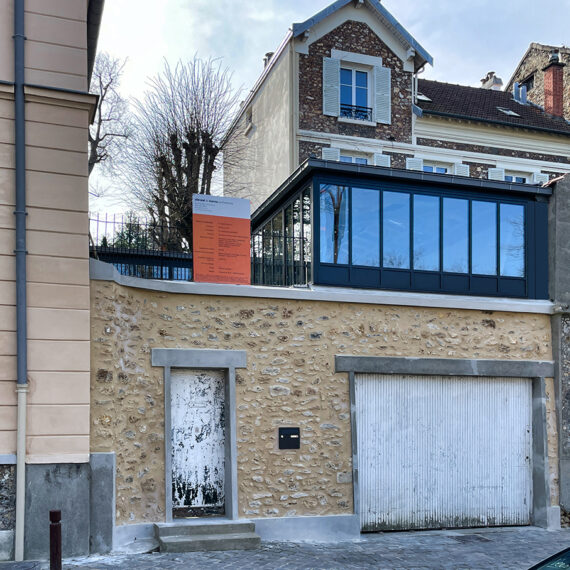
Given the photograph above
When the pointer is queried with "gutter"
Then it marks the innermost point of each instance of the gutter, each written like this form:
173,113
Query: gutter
21,277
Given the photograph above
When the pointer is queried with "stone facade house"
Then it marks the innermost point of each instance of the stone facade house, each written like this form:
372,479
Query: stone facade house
398,361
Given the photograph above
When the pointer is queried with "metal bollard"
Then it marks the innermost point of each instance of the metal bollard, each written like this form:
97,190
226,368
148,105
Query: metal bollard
55,540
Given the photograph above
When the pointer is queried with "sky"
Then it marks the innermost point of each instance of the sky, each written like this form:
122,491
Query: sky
465,38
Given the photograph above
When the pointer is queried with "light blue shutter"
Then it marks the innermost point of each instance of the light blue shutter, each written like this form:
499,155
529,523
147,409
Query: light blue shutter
331,153
381,159
461,169
331,86
414,164
382,95
496,174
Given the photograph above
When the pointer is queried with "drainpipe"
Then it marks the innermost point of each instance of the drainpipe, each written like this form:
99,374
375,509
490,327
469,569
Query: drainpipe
21,303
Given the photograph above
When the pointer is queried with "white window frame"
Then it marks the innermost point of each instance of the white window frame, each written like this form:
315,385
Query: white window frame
353,158
369,87
516,173
435,164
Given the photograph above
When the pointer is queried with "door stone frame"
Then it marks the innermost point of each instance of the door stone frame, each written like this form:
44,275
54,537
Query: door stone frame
203,359
543,514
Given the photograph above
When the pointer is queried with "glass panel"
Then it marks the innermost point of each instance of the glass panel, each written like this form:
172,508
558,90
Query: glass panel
396,230
455,238
346,76
298,240
484,238
428,168
267,253
361,79
365,227
334,217
426,233
345,95
344,158
512,240
289,243
277,229
361,97
306,270
359,160
441,170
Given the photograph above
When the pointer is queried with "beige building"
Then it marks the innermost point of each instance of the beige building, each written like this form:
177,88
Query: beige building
57,47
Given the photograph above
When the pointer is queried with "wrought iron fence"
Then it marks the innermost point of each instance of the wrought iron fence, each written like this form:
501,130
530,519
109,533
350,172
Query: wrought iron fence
356,112
141,248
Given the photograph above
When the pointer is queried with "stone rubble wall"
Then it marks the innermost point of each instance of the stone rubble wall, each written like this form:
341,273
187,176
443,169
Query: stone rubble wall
289,381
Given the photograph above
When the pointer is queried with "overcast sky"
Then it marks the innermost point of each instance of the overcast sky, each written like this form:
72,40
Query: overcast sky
466,38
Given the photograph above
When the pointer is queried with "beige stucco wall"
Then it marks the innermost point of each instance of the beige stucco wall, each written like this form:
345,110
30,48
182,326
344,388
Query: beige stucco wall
259,161
57,233
289,380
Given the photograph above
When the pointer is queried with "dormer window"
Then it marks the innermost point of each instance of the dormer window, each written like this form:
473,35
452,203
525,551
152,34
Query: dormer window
356,88
354,94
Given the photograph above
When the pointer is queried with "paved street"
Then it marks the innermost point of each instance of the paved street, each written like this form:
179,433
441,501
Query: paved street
511,548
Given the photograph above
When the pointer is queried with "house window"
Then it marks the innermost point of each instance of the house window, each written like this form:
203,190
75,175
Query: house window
357,87
516,177
353,159
437,168
354,99
528,82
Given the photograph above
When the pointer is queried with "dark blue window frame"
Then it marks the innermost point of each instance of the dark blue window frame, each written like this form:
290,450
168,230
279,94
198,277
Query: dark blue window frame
534,284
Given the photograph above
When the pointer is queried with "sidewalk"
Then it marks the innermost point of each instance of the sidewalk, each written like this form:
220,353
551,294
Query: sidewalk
504,548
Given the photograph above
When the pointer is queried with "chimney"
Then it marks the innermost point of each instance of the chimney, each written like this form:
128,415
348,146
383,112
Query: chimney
553,85
491,81
267,58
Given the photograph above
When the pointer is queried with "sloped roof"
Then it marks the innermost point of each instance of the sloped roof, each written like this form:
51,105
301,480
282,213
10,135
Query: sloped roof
476,104
382,13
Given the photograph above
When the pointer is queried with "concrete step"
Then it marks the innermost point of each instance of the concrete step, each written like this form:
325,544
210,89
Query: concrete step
185,529
202,542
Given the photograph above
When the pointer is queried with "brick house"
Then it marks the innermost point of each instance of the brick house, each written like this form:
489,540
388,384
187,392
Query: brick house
346,85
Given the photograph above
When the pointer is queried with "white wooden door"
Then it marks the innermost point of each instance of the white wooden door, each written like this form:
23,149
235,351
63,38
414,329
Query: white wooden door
198,442
447,452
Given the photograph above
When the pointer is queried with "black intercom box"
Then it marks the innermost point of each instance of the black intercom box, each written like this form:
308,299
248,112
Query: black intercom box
289,438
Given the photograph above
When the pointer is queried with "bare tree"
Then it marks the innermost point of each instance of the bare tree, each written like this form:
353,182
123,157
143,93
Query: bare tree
110,127
179,134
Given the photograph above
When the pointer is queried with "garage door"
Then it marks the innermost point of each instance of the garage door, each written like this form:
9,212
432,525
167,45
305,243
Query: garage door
438,451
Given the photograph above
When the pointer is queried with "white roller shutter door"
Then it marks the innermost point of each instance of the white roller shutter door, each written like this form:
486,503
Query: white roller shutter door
437,451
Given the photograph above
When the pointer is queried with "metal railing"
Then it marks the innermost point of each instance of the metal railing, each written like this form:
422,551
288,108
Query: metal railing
279,260
356,112
140,248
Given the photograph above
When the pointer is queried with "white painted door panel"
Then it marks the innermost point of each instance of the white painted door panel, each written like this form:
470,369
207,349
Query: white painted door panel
198,442
439,451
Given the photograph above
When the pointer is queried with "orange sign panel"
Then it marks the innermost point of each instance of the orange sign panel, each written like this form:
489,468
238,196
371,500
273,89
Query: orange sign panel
221,240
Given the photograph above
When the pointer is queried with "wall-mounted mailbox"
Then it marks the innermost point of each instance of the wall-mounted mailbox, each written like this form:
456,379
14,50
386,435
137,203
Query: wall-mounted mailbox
289,438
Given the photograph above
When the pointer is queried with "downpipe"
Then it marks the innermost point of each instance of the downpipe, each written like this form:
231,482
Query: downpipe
21,277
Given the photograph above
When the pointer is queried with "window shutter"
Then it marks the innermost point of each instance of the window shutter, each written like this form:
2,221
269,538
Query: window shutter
381,159
414,164
382,95
461,169
331,86
496,174
539,178
331,154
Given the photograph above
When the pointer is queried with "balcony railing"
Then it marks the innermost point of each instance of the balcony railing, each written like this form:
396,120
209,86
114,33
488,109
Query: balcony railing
356,112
